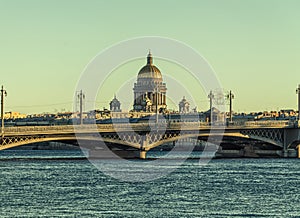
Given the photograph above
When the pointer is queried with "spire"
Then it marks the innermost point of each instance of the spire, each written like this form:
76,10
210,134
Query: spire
149,58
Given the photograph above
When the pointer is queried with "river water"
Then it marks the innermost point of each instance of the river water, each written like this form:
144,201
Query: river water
48,184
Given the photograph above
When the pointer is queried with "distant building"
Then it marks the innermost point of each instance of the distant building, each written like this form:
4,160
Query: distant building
14,115
287,113
184,106
217,115
63,115
149,90
115,105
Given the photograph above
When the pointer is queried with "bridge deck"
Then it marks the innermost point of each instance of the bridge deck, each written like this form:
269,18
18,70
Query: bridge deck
128,127
145,136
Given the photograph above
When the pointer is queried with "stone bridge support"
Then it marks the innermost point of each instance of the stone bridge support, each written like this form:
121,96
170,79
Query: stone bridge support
290,135
144,144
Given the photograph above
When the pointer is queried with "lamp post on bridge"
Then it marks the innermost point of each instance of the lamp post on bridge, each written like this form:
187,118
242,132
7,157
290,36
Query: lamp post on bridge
298,92
211,96
156,105
81,96
230,96
3,93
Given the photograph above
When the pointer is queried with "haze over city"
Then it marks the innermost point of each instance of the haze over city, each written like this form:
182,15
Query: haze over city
253,46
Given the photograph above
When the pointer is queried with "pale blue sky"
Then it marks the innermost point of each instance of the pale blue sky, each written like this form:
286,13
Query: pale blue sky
253,45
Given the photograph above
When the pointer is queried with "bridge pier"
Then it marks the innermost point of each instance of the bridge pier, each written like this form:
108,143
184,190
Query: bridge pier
143,154
289,136
144,143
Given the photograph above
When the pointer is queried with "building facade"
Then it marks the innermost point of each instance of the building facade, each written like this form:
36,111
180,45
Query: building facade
149,90
115,105
184,106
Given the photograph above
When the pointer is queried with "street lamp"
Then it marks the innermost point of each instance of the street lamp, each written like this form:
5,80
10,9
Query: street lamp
156,105
211,96
3,93
298,92
230,96
81,97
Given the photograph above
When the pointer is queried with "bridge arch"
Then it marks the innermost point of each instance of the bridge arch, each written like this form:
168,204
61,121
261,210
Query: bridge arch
18,136
294,144
194,135
20,141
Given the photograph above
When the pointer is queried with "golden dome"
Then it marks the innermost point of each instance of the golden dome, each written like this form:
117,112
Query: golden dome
150,71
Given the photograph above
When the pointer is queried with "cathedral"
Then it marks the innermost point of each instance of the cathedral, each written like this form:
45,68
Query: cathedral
149,90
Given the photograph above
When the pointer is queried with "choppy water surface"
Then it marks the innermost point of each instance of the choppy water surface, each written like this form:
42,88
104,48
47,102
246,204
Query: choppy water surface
48,187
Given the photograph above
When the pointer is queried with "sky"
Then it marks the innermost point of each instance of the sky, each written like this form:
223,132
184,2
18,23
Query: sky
252,45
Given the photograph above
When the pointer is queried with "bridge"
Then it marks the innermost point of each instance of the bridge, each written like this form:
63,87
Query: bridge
142,137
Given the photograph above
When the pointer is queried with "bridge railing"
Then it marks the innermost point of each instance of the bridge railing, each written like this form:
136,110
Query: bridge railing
38,128
269,123
144,126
